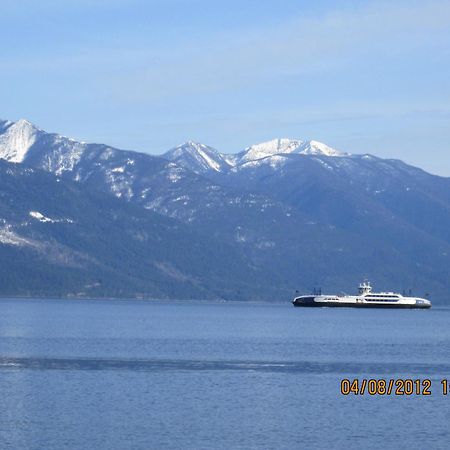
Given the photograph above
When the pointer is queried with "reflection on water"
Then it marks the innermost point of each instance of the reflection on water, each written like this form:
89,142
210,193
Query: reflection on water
150,365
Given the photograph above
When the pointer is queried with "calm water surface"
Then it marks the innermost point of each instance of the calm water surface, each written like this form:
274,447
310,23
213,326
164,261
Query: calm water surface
151,375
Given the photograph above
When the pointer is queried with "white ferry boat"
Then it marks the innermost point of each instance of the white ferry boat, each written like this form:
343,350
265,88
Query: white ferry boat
365,299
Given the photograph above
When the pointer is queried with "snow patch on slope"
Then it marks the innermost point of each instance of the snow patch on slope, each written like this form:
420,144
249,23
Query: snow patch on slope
208,160
9,237
65,155
39,216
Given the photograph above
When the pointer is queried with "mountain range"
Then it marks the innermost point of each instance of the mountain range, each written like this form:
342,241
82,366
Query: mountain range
92,220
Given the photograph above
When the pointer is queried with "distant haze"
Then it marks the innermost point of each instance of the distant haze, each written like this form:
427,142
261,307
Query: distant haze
361,76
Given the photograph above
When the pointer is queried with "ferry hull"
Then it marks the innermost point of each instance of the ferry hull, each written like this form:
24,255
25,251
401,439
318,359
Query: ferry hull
357,305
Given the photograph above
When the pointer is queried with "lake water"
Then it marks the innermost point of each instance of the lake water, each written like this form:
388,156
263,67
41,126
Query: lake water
137,375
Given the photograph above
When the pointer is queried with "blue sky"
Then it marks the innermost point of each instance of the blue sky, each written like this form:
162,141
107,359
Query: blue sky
361,76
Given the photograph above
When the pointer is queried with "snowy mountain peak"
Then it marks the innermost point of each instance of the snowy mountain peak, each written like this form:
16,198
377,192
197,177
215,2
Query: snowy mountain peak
16,138
25,123
192,144
269,148
199,158
285,146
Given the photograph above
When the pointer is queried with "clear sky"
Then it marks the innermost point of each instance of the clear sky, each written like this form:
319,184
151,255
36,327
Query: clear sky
361,76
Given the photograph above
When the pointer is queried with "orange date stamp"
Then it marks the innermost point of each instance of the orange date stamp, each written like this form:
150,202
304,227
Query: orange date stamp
400,386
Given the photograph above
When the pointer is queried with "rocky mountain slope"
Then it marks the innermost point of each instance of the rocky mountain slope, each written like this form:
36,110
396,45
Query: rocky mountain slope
59,238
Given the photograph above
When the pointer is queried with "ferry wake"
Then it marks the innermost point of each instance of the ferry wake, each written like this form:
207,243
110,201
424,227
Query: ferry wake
365,299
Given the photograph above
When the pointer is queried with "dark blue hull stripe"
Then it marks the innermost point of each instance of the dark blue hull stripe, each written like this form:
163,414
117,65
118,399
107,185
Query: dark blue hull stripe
358,305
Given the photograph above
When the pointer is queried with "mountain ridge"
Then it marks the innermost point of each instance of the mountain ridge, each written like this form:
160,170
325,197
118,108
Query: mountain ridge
18,138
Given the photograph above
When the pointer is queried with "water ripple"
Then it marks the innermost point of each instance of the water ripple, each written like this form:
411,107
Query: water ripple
152,365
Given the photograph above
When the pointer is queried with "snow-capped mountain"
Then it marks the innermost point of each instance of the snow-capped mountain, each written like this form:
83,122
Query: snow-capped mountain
179,190
22,141
203,159
125,174
197,157
304,214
